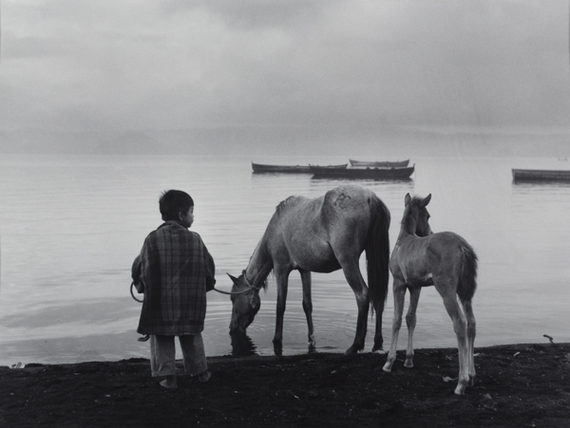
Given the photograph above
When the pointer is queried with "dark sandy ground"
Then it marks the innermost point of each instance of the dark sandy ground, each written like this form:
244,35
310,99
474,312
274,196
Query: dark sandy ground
516,386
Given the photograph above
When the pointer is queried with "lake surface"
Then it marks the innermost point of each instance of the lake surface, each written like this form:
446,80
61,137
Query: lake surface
70,227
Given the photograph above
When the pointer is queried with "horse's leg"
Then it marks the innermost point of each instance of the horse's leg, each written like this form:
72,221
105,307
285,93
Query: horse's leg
356,282
308,306
378,339
411,323
282,277
399,297
447,292
471,331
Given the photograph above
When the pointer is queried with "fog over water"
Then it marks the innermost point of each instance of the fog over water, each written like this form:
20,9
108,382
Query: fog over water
105,104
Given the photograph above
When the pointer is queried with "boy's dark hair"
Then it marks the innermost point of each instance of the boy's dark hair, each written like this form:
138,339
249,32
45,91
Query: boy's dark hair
172,202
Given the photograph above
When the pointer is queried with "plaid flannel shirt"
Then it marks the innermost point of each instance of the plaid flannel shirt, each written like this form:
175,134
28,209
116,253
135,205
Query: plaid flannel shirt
177,270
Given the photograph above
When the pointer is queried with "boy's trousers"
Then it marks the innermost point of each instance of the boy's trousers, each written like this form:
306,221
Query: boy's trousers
163,354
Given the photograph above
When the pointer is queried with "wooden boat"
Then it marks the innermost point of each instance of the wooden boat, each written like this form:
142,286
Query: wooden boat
541,174
299,169
382,164
402,173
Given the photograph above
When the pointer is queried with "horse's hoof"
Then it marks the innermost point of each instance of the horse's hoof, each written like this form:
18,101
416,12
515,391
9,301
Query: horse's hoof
351,351
387,367
379,351
278,350
409,364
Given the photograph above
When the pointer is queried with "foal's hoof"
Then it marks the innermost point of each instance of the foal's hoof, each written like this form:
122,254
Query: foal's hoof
460,389
387,367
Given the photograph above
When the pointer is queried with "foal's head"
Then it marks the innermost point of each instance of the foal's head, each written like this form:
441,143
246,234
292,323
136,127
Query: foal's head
245,304
416,215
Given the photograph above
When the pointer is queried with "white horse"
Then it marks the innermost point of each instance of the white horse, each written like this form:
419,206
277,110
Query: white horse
320,235
444,260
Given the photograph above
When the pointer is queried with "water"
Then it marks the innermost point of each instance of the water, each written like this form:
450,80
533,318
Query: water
70,227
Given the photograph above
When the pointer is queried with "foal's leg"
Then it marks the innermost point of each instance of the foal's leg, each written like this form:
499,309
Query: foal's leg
411,323
399,288
447,292
282,277
356,282
471,331
308,306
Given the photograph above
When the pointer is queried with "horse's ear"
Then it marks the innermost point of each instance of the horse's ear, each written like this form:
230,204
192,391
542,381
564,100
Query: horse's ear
407,199
233,278
426,200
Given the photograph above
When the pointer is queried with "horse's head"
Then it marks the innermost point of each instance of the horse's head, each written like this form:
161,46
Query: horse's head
416,210
245,304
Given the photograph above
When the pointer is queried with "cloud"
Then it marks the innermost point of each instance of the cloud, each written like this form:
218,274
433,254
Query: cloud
140,64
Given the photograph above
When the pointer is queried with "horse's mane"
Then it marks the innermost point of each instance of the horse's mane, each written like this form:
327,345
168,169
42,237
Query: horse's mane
279,208
263,283
260,248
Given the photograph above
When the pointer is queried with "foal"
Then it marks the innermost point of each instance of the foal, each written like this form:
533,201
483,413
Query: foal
445,260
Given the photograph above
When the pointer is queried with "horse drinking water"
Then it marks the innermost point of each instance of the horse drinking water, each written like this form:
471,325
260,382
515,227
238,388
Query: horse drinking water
444,260
319,235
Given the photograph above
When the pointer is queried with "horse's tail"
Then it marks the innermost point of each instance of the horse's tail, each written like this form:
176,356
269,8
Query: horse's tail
468,279
378,252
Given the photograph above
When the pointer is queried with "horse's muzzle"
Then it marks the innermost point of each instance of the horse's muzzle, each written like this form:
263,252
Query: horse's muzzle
239,324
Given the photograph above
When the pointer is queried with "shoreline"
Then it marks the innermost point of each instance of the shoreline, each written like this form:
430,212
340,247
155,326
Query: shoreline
223,358
516,385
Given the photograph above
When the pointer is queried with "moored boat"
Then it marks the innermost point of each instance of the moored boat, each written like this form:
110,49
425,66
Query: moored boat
380,164
401,173
541,174
303,169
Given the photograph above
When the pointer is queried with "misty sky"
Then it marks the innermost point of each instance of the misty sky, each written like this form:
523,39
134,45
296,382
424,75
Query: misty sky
124,65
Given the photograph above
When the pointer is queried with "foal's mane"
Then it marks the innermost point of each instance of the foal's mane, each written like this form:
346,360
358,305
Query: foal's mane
414,201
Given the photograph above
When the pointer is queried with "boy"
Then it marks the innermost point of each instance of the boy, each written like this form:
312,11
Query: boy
176,271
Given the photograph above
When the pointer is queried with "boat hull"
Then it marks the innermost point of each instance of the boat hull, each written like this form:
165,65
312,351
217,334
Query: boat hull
364,173
383,164
280,168
289,169
540,175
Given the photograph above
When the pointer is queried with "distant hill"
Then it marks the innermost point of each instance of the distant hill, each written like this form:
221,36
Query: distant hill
378,143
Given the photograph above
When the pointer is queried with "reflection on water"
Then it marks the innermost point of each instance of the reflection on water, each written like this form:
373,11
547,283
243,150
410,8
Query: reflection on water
242,345
65,278
539,186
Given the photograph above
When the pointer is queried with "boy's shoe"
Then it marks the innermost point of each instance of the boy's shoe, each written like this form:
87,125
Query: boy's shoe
204,376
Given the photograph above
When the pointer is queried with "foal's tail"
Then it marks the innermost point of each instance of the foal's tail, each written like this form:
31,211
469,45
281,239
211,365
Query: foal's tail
468,279
378,252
